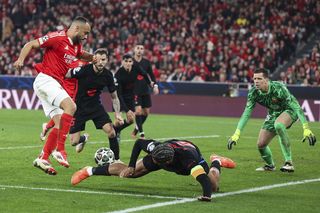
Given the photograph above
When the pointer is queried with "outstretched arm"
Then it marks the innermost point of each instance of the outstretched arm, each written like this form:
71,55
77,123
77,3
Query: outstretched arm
200,175
243,120
34,44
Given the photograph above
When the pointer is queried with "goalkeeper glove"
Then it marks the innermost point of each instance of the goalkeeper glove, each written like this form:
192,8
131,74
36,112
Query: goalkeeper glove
234,139
307,134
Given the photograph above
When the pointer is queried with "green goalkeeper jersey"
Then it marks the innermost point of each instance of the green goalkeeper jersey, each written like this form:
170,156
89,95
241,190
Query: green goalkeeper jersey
277,100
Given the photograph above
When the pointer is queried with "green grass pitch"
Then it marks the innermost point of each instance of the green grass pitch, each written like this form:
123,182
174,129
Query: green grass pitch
24,188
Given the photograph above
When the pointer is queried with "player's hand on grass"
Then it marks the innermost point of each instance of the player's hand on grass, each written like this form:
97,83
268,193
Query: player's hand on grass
308,135
233,139
127,172
204,198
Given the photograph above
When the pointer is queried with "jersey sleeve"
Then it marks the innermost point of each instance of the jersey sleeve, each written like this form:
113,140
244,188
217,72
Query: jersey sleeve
51,39
80,51
248,110
78,72
292,103
150,72
111,82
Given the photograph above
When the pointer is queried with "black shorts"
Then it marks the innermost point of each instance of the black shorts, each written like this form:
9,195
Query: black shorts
99,117
143,100
129,101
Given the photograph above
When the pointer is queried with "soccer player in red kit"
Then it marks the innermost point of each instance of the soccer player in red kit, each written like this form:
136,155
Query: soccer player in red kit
62,48
71,87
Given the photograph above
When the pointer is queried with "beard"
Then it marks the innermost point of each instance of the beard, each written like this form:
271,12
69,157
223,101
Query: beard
76,39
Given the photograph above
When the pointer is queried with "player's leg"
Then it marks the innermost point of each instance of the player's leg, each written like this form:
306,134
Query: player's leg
281,124
214,174
138,113
69,107
45,129
78,124
265,137
113,142
146,105
128,121
45,87
113,169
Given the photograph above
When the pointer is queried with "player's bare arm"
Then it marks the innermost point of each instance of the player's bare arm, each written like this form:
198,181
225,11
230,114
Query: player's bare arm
116,107
34,44
86,56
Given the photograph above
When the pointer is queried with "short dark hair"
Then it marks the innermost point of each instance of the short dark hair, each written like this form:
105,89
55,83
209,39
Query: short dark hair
264,71
127,56
81,19
162,153
102,51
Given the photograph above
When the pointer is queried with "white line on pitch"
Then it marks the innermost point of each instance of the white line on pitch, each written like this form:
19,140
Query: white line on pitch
90,192
187,200
127,140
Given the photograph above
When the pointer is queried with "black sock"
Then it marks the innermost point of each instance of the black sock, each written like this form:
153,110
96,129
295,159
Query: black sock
123,126
114,146
139,122
143,118
82,139
101,170
216,164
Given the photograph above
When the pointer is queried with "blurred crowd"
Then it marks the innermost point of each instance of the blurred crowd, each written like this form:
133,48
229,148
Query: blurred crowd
191,40
306,70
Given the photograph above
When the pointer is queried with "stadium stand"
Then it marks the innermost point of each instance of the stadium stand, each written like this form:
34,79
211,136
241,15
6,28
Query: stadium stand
203,40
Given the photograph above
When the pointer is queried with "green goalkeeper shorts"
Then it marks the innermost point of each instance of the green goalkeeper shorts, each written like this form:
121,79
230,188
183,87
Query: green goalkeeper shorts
270,119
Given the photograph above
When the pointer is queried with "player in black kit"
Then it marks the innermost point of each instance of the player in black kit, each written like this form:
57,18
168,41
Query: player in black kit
179,156
92,79
142,91
126,78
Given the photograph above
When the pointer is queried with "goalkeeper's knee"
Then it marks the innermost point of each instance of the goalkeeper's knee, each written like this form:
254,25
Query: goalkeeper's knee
279,127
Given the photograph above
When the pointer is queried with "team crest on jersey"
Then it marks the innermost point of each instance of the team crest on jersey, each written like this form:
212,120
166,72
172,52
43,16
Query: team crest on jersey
274,100
67,47
43,39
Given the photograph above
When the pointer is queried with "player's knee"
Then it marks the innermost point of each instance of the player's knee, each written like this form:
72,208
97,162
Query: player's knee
279,127
111,133
73,108
130,120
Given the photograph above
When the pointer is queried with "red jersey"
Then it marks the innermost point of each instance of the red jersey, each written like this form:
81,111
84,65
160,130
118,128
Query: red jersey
70,85
59,55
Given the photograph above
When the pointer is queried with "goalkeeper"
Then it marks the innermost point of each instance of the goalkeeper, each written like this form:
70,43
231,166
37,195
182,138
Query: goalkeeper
283,111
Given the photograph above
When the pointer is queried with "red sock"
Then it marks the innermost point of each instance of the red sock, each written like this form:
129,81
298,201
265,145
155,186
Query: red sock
50,124
65,123
50,144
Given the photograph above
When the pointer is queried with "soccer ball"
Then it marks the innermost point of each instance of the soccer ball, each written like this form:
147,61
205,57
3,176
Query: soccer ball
104,156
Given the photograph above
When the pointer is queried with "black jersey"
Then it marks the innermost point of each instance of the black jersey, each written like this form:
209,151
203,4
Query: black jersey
141,87
186,156
125,82
90,86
